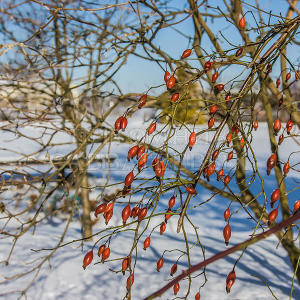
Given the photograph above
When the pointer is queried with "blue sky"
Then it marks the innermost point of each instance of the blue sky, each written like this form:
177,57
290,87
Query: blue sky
139,75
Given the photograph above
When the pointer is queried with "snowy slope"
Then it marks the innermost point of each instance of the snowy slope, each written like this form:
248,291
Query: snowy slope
63,277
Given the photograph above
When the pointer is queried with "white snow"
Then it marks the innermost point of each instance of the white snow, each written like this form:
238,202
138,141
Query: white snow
62,277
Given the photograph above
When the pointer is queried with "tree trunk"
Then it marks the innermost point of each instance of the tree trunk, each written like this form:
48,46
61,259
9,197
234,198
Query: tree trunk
86,207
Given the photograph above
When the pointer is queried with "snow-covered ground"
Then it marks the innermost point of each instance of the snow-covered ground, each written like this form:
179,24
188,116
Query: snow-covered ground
62,277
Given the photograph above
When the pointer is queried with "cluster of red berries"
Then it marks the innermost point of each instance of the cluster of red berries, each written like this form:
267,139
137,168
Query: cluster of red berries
139,152
107,209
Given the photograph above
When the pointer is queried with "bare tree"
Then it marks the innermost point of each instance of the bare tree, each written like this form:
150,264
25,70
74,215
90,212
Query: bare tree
59,65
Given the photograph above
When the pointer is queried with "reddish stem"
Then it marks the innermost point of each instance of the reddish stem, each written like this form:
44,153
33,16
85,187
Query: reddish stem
225,253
